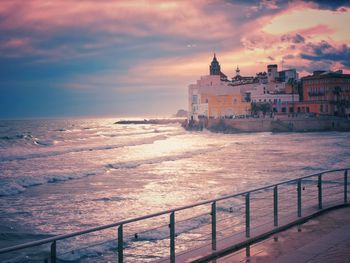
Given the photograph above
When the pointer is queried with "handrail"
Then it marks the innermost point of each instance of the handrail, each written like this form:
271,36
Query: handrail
170,211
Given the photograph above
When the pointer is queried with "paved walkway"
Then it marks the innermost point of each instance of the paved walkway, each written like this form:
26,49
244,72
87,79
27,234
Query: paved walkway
325,239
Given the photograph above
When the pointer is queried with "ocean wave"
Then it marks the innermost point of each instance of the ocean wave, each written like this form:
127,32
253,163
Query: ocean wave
139,133
313,168
82,149
28,139
109,199
142,238
12,186
60,130
169,158
20,184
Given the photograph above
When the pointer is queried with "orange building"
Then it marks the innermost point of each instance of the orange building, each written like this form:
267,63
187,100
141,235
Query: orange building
328,92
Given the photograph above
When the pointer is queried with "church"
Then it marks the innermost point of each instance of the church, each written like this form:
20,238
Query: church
213,96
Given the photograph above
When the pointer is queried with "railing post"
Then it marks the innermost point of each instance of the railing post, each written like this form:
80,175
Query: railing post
319,191
120,244
275,206
247,215
213,225
53,252
346,186
247,251
172,237
299,198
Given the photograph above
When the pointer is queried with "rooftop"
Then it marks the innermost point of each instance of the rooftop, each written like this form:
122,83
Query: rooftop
326,74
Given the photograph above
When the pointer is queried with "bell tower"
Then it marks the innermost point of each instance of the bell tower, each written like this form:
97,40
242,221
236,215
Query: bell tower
214,67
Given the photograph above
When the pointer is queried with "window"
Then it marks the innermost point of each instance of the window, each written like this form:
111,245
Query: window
194,99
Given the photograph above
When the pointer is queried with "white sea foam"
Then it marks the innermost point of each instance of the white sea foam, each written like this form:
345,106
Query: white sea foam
169,158
141,237
82,149
11,186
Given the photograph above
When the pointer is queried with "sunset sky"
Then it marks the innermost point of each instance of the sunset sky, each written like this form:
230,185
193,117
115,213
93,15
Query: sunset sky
136,58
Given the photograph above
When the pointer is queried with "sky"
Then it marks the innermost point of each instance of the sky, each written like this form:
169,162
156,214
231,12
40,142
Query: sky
137,58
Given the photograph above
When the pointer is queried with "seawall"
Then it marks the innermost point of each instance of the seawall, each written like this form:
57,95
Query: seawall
279,124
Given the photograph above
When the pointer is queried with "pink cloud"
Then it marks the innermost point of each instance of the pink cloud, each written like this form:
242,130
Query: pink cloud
140,18
317,30
115,22
206,22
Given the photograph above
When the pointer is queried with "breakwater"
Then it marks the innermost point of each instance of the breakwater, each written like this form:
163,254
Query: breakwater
152,121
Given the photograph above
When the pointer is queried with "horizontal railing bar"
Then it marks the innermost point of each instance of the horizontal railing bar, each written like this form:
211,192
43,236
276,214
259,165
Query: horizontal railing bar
131,220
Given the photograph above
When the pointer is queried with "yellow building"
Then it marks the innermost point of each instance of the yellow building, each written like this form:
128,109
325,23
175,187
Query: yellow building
213,96
225,105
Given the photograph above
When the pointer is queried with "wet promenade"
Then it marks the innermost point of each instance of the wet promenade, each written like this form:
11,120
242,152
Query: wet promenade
325,238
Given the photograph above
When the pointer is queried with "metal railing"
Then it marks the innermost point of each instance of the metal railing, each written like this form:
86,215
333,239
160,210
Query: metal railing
246,205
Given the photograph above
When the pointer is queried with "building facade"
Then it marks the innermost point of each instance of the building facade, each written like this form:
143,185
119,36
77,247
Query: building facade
211,97
214,96
323,93
329,90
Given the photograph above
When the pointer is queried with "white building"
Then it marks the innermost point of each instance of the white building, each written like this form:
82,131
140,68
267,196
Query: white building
270,92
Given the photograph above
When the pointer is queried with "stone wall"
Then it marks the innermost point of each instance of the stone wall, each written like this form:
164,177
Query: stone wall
284,124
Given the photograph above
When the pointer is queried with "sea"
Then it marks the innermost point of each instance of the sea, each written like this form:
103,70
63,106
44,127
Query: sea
58,176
